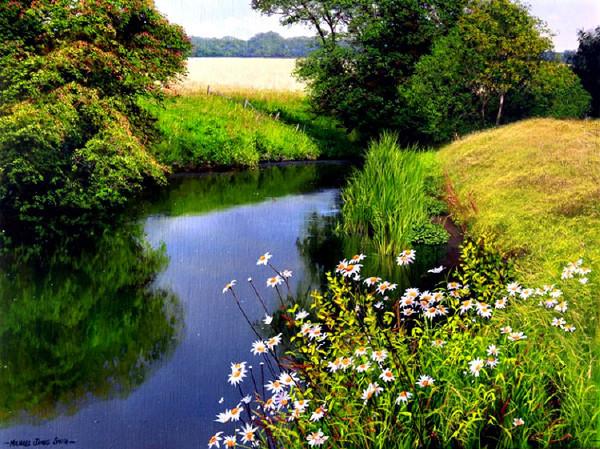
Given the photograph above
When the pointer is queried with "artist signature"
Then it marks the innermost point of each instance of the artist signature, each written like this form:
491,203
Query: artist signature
39,442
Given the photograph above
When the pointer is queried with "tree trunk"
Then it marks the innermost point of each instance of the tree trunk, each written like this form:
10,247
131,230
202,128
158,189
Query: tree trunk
499,116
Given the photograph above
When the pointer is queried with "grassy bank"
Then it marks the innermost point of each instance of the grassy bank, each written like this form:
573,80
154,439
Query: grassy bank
535,186
241,129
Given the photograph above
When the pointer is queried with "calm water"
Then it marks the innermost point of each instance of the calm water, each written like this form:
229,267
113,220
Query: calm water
128,344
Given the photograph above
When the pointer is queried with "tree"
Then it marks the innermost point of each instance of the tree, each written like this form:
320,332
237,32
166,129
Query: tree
72,134
494,49
367,48
586,64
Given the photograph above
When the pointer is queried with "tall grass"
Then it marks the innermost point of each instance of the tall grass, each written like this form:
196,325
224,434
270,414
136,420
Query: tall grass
387,197
202,130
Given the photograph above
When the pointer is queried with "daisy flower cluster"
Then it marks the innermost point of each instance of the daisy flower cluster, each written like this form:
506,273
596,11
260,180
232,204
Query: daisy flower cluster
357,351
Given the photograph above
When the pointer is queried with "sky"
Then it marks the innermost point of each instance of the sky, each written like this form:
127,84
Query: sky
218,18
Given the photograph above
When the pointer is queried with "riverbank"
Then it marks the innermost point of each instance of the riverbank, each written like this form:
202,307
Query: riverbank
534,186
218,130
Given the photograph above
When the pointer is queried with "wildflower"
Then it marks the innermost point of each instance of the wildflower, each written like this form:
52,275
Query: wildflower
301,404
238,373
437,296
406,301
518,422
373,389
269,404
438,343
318,413
491,362
561,306
268,319
357,258
258,347
378,305
387,375
287,274
550,303
288,379
385,286
248,433
273,341
516,336
247,399
513,288
379,356
493,350
316,438
224,417
475,366
427,297
465,306
236,412
274,386
315,332
341,266
360,351
229,286
294,415
281,400
506,330
425,381
501,303
351,270
274,281
583,281
411,293
406,257
404,396
441,310
333,366
558,322
569,328
363,367
408,312
301,315
372,280
305,329
437,270
345,363
484,310
453,286
431,312
264,259
215,440
555,293
229,441
526,293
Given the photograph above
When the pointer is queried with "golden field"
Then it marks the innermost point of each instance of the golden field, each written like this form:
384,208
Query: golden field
241,73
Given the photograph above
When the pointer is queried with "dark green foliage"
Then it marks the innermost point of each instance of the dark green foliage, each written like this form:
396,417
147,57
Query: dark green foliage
72,136
586,63
427,233
263,45
367,49
494,49
555,91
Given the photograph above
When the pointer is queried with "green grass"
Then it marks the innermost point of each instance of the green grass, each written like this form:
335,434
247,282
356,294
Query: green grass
536,186
390,197
207,131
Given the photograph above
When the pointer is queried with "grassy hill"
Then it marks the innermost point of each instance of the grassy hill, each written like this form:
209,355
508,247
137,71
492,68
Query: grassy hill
536,186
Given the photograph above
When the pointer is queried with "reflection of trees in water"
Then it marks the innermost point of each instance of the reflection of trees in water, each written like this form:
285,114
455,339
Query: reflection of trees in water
89,325
324,244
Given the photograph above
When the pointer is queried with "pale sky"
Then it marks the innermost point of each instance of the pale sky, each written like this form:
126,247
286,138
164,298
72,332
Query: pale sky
218,18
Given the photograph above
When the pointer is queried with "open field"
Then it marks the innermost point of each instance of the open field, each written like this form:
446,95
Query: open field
245,73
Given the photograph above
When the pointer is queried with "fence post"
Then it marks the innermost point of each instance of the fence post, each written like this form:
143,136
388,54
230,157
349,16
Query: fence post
208,90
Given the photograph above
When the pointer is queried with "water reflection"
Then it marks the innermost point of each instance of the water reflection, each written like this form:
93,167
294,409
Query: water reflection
83,327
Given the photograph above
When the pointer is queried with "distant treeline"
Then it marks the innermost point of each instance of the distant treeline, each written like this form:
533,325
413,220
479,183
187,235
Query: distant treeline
263,45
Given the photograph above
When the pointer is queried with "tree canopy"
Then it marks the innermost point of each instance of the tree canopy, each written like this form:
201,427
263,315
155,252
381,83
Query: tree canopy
262,45
367,48
586,63
72,135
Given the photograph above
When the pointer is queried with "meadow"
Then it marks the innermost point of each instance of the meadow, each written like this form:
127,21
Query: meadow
241,73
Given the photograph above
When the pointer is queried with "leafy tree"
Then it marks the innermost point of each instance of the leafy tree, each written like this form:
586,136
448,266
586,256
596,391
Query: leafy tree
72,135
494,49
556,91
367,48
586,63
